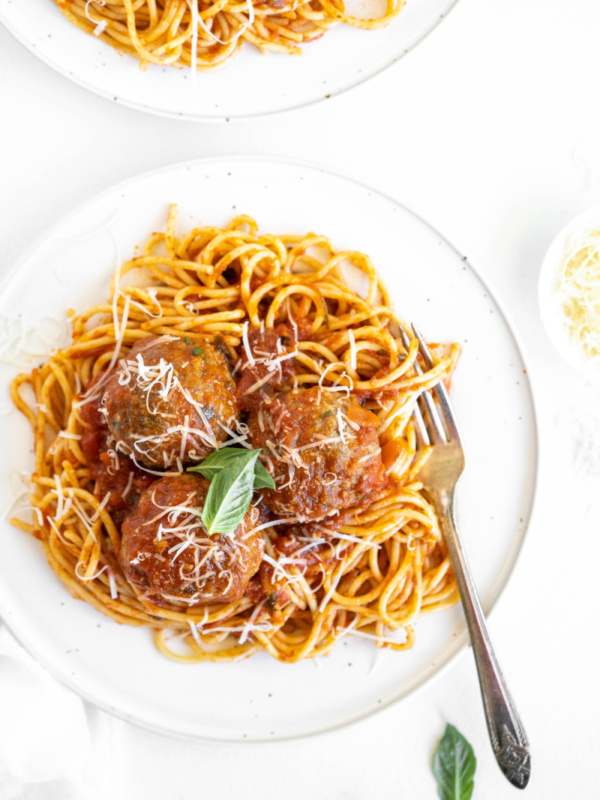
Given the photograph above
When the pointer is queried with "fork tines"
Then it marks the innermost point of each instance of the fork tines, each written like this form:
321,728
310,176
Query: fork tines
433,406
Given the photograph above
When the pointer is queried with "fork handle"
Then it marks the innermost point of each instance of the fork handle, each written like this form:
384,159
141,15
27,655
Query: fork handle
507,735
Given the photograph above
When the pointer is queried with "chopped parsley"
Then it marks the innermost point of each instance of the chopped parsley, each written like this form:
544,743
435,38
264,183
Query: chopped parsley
271,601
197,351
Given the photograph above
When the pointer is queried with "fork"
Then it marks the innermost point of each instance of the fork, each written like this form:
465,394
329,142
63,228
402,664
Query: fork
435,425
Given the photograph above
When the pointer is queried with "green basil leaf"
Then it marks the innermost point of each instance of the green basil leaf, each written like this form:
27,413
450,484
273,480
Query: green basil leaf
229,495
262,479
217,461
454,766
226,458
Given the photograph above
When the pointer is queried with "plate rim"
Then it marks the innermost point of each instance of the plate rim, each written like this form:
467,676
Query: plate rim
458,647
74,78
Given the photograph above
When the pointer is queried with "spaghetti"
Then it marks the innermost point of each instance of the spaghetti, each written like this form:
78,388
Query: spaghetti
205,34
367,570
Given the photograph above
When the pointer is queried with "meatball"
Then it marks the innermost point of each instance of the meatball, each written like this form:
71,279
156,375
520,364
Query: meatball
168,556
170,399
321,449
272,367
117,478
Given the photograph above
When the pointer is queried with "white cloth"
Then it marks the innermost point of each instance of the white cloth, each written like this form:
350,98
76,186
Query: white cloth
52,747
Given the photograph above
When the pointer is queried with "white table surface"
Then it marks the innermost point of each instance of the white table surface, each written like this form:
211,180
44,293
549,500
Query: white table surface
490,130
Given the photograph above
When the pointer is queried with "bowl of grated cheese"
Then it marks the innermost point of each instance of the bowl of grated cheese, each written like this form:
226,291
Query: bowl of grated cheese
569,293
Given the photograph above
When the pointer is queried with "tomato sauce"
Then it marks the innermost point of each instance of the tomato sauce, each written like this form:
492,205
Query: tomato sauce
113,472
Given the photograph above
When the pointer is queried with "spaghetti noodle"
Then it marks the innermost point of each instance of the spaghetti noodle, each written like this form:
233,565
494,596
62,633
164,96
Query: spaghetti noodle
205,34
367,570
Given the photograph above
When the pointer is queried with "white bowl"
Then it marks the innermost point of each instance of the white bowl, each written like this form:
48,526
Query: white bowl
550,303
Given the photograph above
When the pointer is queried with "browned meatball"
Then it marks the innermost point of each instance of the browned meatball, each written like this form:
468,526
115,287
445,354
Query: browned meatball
322,450
272,367
170,400
168,556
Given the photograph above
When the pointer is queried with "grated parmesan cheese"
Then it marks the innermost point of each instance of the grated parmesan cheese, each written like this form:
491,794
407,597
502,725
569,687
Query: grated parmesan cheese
578,287
67,435
194,59
246,342
127,488
101,24
353,352
339,632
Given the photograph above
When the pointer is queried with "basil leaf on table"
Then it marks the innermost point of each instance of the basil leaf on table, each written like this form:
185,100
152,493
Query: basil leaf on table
230,494
226,458
454,766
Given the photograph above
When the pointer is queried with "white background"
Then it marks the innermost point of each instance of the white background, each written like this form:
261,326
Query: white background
490,130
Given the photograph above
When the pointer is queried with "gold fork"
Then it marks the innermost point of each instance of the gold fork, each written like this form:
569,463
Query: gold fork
435,425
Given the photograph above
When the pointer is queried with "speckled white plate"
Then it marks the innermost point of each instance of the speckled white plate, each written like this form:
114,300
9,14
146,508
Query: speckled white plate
117,667
252,85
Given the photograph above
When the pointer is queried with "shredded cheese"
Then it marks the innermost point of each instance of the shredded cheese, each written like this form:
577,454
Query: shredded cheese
285,521
341,425
334,584
279,570
329,440
291,319
127,488
353,352
91,577
20,342
101,24
238,33
357,539
101,507
194,630
248,627
339,632
246,342
194,59
578,287
113,585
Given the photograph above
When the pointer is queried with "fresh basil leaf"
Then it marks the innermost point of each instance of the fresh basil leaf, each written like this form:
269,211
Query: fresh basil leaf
262,479
225,458
217,461
229,495
454,766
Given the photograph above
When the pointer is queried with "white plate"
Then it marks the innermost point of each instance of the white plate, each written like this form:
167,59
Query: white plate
117,667
250,86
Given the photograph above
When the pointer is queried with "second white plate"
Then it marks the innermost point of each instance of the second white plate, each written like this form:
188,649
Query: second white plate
251,85
117,667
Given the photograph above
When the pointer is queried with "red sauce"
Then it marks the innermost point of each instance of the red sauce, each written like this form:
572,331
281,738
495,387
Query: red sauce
111,472
390,452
